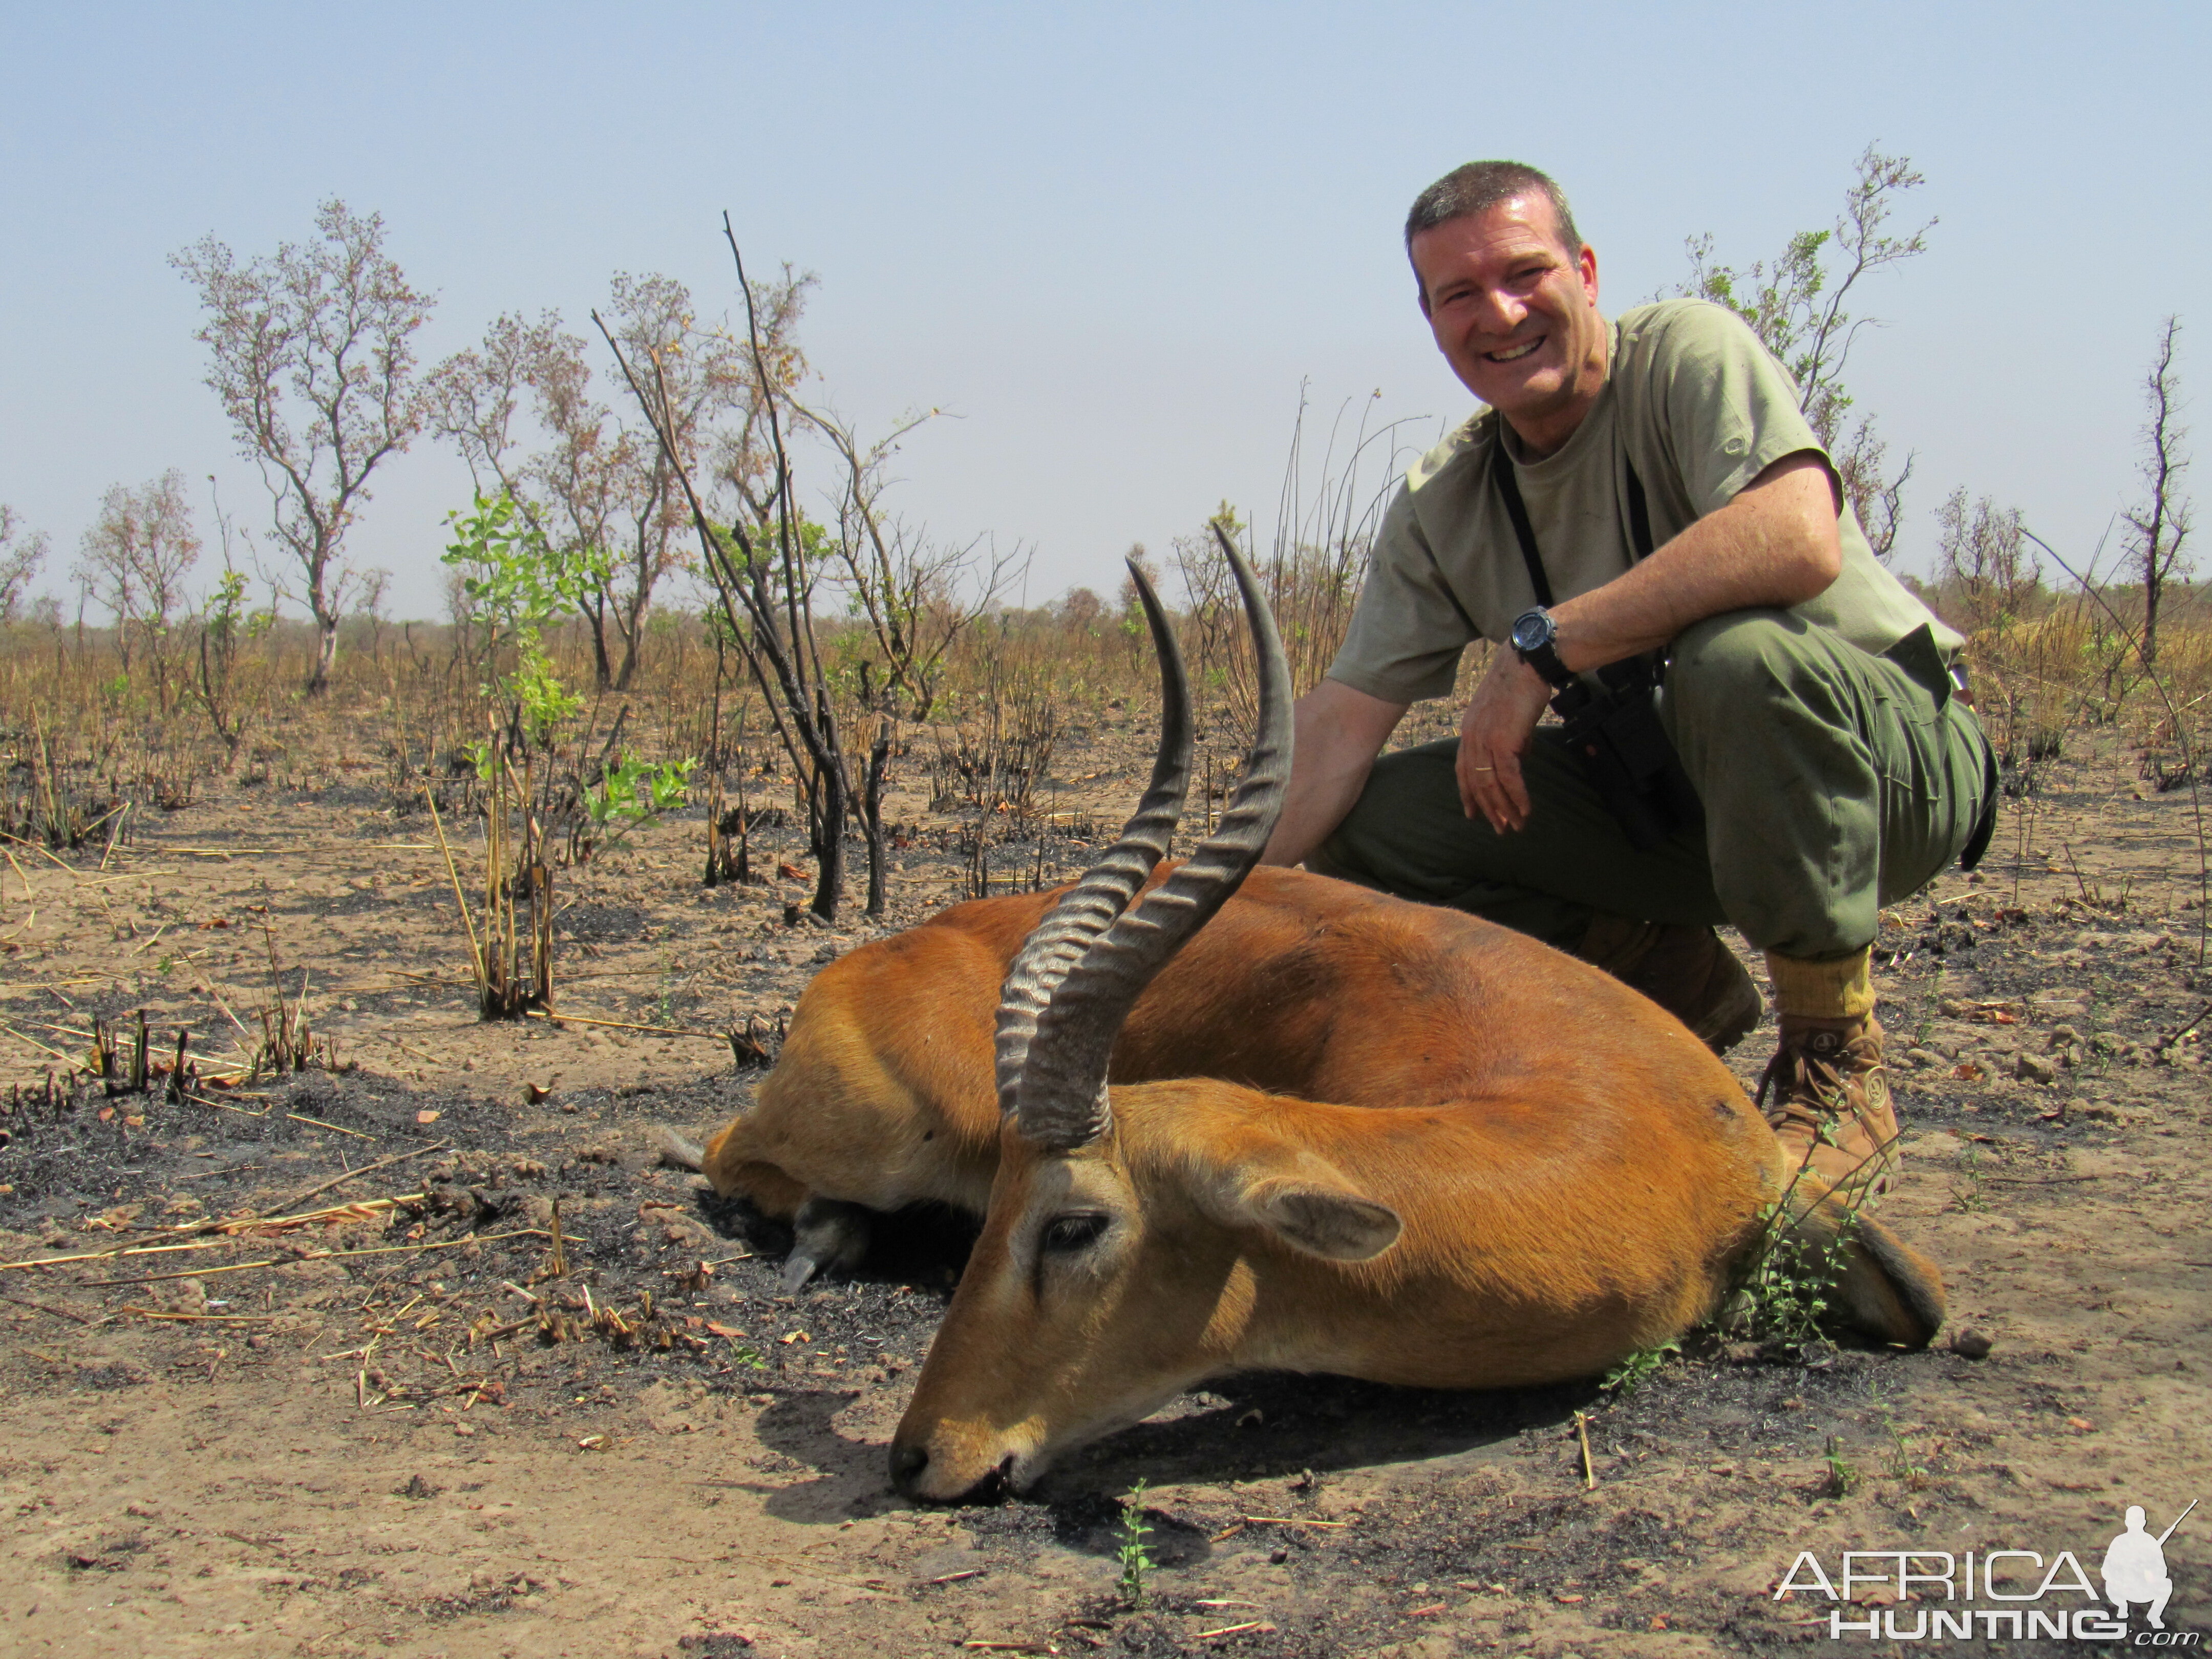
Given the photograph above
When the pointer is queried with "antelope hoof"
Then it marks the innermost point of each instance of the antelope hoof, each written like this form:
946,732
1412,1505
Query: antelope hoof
827,1232
1889,1290
678,1152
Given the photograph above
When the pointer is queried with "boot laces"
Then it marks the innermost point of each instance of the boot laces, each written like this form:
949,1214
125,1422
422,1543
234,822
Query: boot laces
1810,1080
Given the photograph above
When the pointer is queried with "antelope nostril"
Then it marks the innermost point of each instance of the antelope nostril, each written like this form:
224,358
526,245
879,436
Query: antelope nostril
906,1464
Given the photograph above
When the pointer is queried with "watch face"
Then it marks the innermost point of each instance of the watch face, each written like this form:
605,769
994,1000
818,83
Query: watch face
1531,632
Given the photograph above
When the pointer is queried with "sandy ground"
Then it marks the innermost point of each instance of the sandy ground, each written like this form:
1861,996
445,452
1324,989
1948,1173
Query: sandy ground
341,1452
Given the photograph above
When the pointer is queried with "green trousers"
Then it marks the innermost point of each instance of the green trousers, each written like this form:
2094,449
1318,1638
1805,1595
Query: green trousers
1833,782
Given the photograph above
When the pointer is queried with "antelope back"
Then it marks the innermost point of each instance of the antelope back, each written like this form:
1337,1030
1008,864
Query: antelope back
1300,985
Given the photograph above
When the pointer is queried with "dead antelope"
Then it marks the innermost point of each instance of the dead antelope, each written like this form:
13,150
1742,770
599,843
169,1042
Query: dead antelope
1400,1144
1575,1180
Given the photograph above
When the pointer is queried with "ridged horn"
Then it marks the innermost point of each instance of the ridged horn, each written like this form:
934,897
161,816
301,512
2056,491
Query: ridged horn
1060,1090
1057,943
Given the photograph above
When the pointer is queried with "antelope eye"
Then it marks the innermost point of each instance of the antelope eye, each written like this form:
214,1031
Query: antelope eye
1072,1232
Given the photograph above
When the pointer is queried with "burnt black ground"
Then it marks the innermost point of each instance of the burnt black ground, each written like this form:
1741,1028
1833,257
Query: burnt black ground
2046,1078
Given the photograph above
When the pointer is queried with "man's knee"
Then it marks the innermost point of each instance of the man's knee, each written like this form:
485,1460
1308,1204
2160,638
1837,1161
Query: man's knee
1723,661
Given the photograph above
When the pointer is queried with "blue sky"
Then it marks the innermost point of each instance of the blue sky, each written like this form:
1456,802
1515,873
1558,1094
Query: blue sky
1114,240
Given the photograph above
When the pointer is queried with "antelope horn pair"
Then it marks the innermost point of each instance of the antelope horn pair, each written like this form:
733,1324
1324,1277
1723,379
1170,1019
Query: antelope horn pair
1082,967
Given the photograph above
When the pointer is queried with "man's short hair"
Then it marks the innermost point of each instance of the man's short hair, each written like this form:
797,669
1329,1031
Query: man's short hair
1479,186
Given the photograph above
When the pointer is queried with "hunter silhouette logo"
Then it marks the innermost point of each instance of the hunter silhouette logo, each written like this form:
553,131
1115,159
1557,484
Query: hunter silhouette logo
1999,1593
2135,1566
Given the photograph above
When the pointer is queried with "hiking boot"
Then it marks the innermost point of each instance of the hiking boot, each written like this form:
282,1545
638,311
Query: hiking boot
1826,1094
1685,970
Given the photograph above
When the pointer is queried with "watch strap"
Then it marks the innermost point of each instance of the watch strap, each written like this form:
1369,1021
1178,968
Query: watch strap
1545,659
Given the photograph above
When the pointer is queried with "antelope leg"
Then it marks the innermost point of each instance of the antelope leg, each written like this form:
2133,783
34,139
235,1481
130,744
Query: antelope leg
827,1232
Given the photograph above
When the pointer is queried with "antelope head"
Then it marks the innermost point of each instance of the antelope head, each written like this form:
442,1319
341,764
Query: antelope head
1132,1244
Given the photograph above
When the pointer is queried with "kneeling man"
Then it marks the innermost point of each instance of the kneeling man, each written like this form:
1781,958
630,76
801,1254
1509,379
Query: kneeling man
1642,495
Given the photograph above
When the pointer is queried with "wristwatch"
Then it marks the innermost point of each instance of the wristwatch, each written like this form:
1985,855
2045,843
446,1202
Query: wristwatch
1533,637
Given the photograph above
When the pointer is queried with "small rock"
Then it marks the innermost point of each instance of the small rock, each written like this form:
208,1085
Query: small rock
1970,1344
187,1296
2064,1033
2103,1111
687,1229
1922,1058
2034,1068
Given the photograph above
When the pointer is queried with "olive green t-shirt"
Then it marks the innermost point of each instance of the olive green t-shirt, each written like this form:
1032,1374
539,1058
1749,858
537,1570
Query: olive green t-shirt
1698,405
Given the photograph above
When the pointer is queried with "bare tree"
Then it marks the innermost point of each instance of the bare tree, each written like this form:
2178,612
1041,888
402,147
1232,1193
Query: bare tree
919,596
596,484
764,566
568,492
1981,556
134,560
2159,525
23,556
700,373
474,399
368,606
1795,306
314,364
747,453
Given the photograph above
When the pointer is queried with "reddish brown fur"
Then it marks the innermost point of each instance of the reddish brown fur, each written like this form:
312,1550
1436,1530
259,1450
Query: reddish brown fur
884,1093
1526,1257
1576,1174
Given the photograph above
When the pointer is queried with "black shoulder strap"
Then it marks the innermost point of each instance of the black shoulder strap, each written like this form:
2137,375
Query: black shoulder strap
1639,514
1509,490
1509,487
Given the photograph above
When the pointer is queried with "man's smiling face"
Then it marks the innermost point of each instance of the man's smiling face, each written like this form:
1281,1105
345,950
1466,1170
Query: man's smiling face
1516,316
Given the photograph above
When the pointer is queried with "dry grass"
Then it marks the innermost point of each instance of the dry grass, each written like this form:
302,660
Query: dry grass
91,752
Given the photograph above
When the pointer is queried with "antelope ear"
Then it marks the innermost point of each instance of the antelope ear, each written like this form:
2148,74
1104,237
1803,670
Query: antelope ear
1333,1222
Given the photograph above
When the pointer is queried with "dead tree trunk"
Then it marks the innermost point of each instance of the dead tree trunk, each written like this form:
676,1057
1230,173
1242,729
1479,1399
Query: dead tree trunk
765,588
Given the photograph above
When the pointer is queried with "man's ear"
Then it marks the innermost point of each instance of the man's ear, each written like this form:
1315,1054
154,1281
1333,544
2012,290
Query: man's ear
1323,1221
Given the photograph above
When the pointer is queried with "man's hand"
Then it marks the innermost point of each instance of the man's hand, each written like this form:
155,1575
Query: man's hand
1774,544
1493,735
